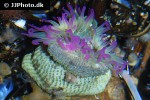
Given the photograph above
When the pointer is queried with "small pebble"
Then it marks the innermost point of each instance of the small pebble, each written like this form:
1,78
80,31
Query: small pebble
133,59
70,78
4,69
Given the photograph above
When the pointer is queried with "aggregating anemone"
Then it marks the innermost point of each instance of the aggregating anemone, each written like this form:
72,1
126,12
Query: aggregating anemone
76,45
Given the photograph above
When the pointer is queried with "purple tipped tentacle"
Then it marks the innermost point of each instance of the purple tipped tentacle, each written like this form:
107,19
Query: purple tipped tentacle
72,20
59,20
86,52
64,19
50,33
46,29
72,47
71,10
111,47
78,9
66,11
104,44
37,41
44,36
99,30
67,39
118,66
46,42
69,44
30,32
50,37
91,16
83,43
54,31
68,34
86,49
54,23
117,59
75,39
59,41
106,25
103,28
36,28
83,11
102,55
74,28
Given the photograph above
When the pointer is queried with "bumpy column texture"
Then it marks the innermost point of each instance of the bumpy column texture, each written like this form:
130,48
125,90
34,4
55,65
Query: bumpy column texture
51,76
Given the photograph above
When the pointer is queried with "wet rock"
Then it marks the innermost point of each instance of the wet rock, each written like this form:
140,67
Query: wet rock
114,90
37,94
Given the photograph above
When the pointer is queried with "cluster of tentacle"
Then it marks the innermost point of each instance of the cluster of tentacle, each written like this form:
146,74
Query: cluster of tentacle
75,32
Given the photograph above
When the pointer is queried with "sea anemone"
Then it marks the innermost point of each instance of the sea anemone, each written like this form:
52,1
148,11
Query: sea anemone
80,35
